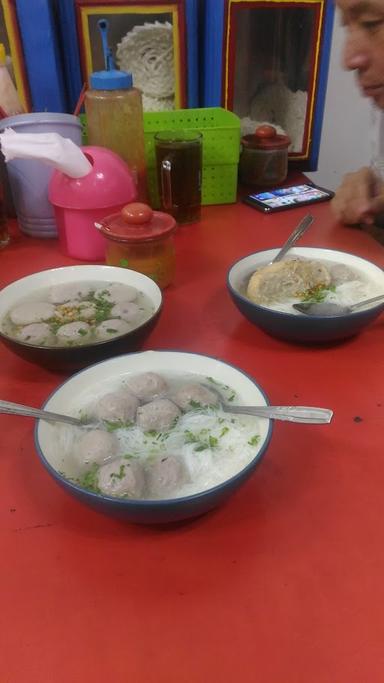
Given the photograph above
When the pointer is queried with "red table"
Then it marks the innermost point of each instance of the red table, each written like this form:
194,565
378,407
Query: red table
284,583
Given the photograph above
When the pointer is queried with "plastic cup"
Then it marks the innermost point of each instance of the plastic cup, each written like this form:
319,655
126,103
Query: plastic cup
29,179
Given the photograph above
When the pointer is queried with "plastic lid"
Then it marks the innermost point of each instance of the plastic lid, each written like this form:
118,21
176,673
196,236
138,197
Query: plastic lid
109,185
266,137
3,56
113,79
137,223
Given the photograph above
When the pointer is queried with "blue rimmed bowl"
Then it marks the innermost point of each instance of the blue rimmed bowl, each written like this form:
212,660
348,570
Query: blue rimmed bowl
299,327
80,387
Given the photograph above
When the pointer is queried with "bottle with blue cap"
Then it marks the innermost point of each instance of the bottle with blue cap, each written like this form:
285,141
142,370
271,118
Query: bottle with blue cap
114,112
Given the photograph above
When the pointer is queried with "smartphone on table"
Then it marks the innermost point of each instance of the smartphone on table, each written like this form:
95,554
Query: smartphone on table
282,198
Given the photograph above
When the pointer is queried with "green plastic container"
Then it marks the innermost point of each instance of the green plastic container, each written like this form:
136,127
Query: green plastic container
221,149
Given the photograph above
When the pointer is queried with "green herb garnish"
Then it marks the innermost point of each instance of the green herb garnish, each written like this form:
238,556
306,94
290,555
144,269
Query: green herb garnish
90,479
120,474
317,294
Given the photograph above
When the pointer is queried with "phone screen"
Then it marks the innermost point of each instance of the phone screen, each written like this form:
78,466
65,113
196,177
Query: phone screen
287,196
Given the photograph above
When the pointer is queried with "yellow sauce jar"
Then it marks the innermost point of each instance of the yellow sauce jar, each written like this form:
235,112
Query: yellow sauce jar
141,239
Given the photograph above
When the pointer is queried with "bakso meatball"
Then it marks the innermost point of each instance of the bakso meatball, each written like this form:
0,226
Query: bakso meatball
147,386
286,279
127,310
111,328
116,293
33,312
121,477
191,394
117,406
157,415
96,446
36,333
165,476
73,333
341,273
59,294
86,310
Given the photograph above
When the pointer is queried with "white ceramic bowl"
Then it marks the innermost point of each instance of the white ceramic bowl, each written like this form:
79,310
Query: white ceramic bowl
296,327
72,358
80,389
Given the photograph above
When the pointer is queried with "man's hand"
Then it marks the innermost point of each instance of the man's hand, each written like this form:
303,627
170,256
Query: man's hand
360,198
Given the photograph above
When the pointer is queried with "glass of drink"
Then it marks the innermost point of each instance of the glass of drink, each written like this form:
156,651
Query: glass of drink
179,168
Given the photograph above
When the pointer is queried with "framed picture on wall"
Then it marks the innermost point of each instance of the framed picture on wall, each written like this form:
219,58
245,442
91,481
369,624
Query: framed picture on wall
155,41
10,37
267,61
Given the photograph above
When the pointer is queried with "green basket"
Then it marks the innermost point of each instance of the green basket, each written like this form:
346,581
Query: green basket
221,149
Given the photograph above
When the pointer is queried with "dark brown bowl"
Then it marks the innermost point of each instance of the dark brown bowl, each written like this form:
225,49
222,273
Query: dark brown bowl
76,357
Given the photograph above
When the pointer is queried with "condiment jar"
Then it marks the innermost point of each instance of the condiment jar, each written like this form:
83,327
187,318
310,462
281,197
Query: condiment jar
264,157
141,239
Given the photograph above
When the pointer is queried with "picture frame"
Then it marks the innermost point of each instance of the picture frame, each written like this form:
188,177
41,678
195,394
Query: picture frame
10,37
230,24
83,54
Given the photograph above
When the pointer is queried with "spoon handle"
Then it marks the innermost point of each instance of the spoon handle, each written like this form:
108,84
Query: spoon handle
297,233
17,409
290,413
354,307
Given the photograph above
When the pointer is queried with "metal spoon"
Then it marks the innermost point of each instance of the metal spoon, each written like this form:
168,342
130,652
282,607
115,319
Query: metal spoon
295,235
329,310
17,409
306,414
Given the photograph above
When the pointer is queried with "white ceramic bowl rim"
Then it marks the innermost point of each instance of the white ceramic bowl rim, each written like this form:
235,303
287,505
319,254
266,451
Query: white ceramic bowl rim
260,449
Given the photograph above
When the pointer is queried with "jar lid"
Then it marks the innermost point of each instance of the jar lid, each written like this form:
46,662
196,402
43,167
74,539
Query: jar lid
266,137
137,223
113,79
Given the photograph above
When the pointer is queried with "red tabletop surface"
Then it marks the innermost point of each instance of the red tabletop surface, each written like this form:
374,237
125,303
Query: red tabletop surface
282,584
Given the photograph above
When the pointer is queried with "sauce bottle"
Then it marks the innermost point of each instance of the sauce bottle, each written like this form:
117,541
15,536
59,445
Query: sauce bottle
114,112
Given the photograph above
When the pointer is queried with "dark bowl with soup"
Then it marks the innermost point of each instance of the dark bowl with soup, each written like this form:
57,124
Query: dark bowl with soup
66,318
312,275
157,447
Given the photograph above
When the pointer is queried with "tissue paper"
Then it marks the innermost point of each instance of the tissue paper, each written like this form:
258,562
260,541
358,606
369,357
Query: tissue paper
51,148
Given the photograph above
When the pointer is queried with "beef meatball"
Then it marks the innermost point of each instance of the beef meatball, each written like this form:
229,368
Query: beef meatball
37,333
147,386
111,328
340,273
157,415
123,478
165,476
190,394
60,294
73,333
116,293
281,281
127,310
96,446
25,314
117,406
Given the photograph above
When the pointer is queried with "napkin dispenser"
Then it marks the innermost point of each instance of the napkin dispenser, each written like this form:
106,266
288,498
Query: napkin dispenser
80,202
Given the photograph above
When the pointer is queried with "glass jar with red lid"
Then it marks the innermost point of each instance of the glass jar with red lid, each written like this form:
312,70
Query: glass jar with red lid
141,239
264,157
